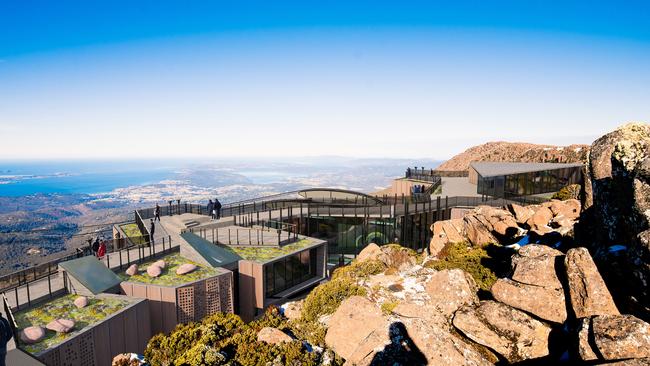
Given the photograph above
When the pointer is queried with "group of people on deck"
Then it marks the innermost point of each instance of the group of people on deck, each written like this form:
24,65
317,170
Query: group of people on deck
418,188
214,209
97,247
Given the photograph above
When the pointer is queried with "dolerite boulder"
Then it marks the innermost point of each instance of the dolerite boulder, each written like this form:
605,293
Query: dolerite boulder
154,271
588,292
31,335
272,336
617,183
621,336
372,251
293,310
160,263
132,270
535,264
357,329
543,302
521,213
540,220
60,325
585,350
185,268
81,302
450,289
478,233
508,331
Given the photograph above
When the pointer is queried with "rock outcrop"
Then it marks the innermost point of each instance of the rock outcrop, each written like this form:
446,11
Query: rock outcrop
450,289
132,270
617,185
487,225
588,292
544,302
510,332
516,151
615,337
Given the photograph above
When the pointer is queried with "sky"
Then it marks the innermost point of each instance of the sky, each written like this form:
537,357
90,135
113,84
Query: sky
403,79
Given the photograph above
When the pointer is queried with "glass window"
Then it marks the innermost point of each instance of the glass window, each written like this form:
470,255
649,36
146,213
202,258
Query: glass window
278,273
269,279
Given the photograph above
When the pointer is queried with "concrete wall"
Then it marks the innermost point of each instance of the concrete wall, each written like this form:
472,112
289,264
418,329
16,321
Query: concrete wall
126,331
169,306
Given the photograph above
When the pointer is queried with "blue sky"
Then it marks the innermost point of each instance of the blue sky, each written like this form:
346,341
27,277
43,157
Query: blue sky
402,79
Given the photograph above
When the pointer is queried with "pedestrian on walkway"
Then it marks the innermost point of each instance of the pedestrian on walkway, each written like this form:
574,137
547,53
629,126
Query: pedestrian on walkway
95,246
152,229
101,252
217,206
157,213
211,211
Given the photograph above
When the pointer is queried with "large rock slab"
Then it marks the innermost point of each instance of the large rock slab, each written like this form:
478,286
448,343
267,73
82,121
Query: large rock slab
436,344
588,292
357,330
535,265
154,270
450,289
272,336
185,268
619,337
478,233
132,270
61,325
81,302
508,331
521,213
540,219
569,209
543,302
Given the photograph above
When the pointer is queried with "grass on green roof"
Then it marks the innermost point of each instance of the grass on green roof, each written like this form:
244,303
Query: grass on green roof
63,307
168,277
265,254
133,233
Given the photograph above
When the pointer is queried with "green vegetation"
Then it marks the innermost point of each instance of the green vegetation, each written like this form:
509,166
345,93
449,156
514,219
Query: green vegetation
98,308
359,269
133,233
265,254
168,277
223,339
388,307
571,191
475,261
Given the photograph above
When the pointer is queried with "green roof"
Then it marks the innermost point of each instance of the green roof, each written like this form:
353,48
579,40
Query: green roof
216,255
267,254
91,273
168,277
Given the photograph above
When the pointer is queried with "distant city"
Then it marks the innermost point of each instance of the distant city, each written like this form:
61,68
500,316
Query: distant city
49,209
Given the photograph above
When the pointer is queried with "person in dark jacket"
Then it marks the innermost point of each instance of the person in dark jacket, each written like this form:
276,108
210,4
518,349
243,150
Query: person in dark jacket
157,213
152,229
217,206
211,209
6,334
96,246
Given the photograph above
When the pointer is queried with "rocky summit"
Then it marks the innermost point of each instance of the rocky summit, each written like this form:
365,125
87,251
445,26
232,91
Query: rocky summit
507,285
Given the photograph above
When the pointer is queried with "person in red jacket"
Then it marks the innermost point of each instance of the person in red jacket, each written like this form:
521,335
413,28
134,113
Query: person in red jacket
102,250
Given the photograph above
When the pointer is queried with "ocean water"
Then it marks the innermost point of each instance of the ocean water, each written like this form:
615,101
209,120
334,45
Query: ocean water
78,177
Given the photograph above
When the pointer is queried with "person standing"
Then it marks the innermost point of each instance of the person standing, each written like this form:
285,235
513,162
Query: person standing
157,213
152,230
101,252
6,333
217,206
95,246
211,209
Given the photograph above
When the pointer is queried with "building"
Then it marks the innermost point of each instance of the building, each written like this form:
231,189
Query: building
507,180
266,272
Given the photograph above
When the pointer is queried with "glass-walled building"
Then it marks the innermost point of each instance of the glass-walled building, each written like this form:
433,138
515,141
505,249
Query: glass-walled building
522,179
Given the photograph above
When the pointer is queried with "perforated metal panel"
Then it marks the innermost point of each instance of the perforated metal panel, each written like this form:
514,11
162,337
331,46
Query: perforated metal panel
225,293
185,309
51,358
86,348
212,299
69,352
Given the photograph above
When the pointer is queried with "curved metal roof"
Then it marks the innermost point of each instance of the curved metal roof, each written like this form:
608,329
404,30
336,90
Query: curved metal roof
335,194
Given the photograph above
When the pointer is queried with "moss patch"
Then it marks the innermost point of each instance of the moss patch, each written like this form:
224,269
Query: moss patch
475,261
133,233
359,269
168,277
98,308
265,254
326,298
